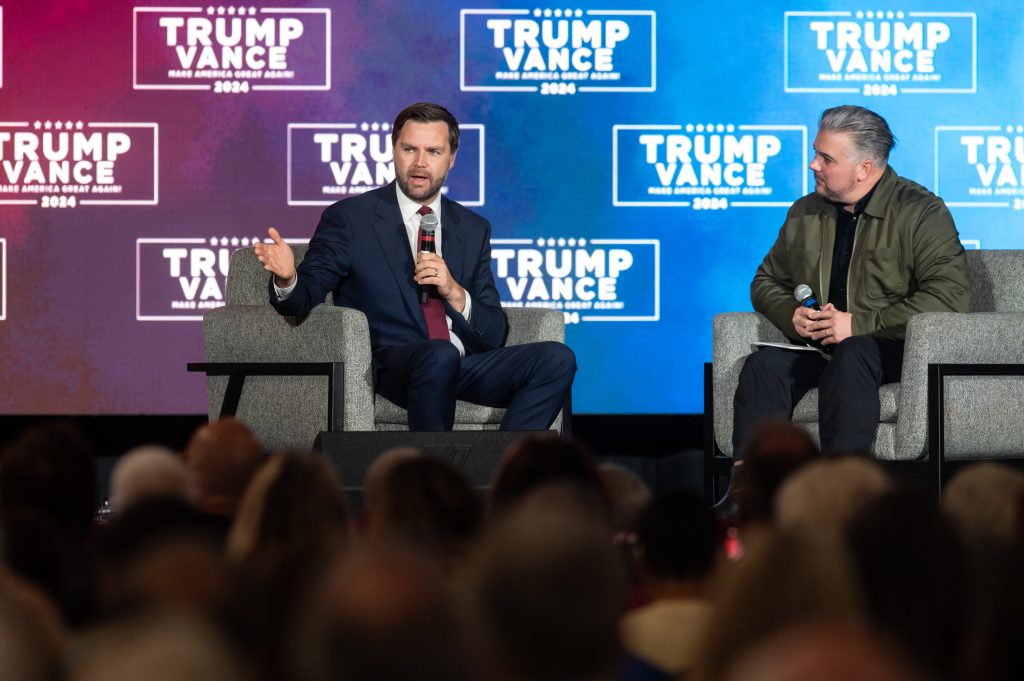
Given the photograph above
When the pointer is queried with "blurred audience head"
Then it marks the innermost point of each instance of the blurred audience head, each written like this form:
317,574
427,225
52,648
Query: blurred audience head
425,504
783,580
540,459
985,501
149,471
156,646
823,496
914,575
546,592
812,653
380,469
628,495
774,451
49,469
223,456
161,553
32,635
677,540
294,506
381,614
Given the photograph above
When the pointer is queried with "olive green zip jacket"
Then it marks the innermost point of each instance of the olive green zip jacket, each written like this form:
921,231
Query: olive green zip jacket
907,258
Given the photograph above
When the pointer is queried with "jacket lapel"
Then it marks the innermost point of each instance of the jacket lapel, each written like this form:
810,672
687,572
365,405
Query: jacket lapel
394,242
453,242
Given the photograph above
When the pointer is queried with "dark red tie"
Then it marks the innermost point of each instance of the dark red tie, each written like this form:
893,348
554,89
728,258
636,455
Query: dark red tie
433,311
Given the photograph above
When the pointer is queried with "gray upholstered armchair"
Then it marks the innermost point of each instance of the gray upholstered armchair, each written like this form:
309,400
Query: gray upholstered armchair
289,410
982,413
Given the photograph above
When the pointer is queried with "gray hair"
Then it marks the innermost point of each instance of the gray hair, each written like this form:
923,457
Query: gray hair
869,132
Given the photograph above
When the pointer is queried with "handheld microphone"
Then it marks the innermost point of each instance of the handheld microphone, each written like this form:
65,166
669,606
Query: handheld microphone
428,225
805,296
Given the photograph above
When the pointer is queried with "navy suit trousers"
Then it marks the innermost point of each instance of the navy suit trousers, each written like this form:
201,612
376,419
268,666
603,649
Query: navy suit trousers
530,381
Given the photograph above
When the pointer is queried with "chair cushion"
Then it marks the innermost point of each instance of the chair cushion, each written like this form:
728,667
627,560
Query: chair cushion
806,410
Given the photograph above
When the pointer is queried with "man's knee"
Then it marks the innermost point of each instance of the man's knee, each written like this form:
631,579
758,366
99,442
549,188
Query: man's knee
759,365
855,345
559,355
554,359
856,352
439,350
438,356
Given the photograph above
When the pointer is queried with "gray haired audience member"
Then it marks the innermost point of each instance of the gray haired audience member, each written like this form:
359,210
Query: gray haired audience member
150,471
986,502
822,497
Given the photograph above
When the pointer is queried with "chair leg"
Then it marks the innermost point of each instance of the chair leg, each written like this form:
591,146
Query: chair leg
715,462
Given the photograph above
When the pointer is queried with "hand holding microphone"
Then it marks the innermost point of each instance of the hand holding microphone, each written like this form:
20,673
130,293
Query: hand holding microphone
427,245
431,271
820,326
805,296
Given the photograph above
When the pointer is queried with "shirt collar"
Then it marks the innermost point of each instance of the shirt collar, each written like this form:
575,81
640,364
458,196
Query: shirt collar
408,207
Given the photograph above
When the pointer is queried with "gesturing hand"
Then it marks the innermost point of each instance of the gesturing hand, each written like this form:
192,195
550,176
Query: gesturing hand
277,258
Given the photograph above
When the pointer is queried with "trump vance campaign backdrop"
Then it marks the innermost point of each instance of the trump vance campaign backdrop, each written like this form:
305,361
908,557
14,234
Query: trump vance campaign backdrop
636,160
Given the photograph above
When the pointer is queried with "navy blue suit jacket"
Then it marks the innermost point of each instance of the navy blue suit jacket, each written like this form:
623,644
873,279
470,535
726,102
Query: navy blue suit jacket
361,252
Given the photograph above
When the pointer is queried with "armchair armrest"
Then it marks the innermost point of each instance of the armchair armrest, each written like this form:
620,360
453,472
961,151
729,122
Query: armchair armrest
257,333
734,334
959,338
533,324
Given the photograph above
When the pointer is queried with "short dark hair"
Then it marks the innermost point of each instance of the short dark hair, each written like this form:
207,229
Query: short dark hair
678,534
425,112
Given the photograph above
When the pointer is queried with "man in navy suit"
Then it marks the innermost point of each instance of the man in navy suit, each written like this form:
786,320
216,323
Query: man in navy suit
425,356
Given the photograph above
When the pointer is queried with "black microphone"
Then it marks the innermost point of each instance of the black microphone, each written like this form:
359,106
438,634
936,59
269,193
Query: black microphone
428,225
805,296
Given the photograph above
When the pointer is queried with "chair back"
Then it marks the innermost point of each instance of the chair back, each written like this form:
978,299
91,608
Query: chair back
997,280
247,280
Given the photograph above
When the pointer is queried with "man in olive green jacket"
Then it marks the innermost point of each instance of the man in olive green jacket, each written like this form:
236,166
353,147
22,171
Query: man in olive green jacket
877,249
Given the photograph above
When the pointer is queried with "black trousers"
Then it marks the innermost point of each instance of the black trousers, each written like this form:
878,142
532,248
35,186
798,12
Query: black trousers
773,380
